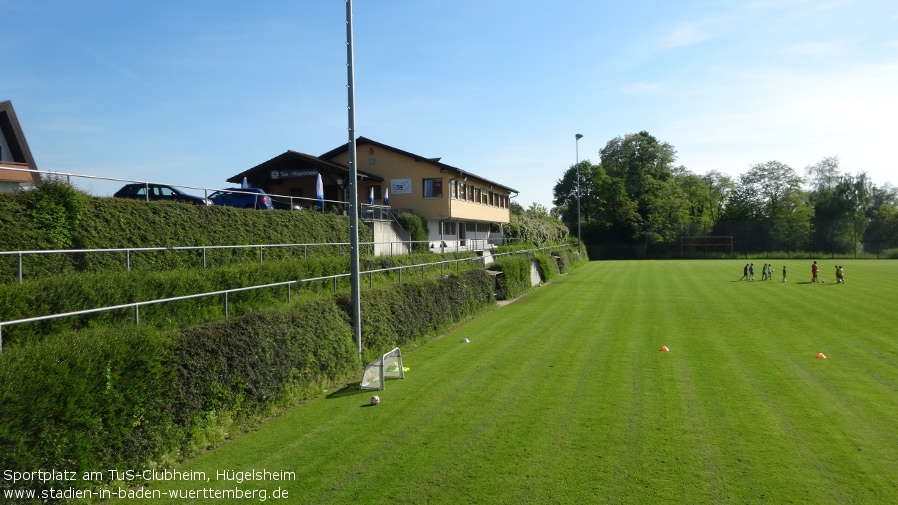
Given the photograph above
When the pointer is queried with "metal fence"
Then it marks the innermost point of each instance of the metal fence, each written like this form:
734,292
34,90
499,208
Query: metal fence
762,238
105,189
395,248
480,261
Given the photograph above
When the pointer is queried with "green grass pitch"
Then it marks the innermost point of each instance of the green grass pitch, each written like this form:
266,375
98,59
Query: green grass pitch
565,397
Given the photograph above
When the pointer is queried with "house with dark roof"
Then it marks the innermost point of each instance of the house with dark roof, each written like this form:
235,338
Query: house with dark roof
459,207
14,153
295,174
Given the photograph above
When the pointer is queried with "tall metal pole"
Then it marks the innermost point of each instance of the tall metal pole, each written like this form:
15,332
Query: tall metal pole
577,138
353,190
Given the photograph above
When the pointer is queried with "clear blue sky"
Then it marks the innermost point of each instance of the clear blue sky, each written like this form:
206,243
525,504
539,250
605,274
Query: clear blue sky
193,92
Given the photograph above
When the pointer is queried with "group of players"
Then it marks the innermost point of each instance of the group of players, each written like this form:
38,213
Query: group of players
815,271
748,273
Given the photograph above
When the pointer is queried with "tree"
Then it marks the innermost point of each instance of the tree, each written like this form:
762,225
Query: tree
882,213
538,210
565,194
644,164
719,188
767,202
535,225
841,204
668,210
606,212
776,186
638,158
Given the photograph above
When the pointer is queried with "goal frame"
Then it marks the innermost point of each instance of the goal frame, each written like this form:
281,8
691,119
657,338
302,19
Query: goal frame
706,243
388,366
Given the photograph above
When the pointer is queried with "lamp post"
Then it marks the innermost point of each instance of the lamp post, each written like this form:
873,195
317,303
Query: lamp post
355,291
577,138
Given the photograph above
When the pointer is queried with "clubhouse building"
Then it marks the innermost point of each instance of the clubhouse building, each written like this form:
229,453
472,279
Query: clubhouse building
461,209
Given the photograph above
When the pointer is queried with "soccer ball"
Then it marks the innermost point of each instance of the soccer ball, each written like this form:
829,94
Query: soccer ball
375,400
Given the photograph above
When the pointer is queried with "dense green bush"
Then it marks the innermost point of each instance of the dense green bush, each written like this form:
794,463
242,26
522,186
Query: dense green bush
535,226
236,368
59,294
548,266
126,396
59,217
90,401
417,230
137,397
515,278
56,209
400,315
568,258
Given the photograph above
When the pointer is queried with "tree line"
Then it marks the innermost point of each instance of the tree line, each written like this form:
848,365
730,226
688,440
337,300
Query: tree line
638,196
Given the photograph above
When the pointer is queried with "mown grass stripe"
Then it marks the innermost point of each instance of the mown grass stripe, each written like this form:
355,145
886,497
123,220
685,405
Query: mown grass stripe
564,397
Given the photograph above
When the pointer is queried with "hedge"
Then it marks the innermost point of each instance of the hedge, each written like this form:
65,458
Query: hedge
59,294
54,216
139,397
515,278
548,266
401,315
516,267
90,400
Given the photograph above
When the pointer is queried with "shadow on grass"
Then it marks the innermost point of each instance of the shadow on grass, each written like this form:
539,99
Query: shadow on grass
351,389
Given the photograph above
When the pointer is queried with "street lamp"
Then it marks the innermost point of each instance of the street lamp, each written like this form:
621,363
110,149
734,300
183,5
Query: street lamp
577,138
354,288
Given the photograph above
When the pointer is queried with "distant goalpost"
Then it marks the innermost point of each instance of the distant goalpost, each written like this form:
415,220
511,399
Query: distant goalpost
706,244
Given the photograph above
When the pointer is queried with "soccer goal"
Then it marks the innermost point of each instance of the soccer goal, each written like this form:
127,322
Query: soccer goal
706,244
388,366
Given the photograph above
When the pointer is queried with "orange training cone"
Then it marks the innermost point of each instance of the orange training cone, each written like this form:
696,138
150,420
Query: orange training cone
664,348
820,355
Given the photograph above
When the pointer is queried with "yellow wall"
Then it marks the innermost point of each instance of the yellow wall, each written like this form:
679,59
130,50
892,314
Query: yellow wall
391,165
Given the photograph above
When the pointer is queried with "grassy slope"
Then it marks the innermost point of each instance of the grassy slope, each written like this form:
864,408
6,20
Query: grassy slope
564,397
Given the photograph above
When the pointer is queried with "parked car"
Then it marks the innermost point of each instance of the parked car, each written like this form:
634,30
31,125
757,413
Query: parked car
158,192
245,198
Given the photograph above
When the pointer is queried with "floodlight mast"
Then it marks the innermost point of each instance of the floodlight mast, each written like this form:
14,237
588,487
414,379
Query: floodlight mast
353,190
577,138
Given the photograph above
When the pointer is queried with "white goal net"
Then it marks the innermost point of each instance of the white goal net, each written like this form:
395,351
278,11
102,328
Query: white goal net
388,366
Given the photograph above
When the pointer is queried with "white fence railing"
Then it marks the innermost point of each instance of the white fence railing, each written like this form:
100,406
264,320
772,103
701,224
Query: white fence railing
342,248
135,306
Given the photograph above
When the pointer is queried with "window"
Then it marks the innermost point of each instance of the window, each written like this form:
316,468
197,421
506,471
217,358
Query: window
477,195
378,192
453,189
450,228
433,188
